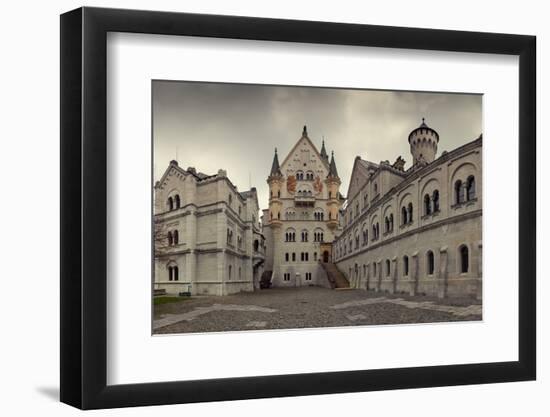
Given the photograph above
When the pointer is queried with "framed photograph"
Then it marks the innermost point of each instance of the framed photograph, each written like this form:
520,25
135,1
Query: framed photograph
257,208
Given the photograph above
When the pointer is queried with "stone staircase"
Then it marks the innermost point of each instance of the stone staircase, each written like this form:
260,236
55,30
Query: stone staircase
335,276
265,280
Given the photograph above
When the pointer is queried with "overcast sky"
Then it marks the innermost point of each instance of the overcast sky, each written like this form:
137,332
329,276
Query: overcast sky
237,126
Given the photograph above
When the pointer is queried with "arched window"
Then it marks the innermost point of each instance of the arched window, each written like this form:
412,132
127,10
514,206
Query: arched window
430,263
304,236
388,267
230,199
470,188
240,210
279,193
176,237
170,239
403,215
176,271
386,225
286,257
435,198
464,259
229,270
459,192
177,201
239,272
405,265
391,222
170,273
427,205
170,203
375,188
410,212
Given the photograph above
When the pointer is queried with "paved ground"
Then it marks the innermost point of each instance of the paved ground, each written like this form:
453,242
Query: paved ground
306,307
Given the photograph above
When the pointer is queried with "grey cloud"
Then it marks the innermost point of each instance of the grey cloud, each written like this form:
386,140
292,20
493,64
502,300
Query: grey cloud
237,126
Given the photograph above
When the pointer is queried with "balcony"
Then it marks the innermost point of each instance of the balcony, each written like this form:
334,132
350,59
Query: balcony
304,200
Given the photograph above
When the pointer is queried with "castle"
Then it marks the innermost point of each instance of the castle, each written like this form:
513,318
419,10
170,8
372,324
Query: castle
207,238
413,231
303,215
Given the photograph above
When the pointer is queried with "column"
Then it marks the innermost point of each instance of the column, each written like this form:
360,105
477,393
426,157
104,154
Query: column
479,292
378,276
413,285
191,258
443,267
393,287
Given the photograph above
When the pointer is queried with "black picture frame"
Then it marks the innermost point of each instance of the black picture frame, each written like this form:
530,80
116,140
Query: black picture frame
84,207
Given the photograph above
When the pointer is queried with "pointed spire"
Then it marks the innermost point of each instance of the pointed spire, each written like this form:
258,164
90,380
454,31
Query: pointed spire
275,168
333,172
324,154
304,132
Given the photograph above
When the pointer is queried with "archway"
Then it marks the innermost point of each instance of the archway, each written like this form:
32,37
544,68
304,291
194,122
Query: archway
325,256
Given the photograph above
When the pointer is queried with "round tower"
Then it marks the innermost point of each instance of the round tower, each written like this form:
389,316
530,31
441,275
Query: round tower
423,141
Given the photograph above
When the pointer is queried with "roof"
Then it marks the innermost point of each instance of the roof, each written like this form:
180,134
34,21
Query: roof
367,164
305,135
275,167
324,153
333,172
423,125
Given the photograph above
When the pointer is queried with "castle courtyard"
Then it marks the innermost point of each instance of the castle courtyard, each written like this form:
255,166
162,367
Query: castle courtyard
306,307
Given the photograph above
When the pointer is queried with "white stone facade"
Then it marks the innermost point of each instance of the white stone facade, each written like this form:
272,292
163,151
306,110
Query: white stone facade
207,238
302,216
417,231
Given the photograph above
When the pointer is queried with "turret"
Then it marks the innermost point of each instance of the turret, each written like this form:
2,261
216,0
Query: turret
324,154
423,142
275,182
333,185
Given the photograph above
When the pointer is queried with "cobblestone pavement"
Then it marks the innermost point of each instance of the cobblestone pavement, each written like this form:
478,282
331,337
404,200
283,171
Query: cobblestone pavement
294,308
